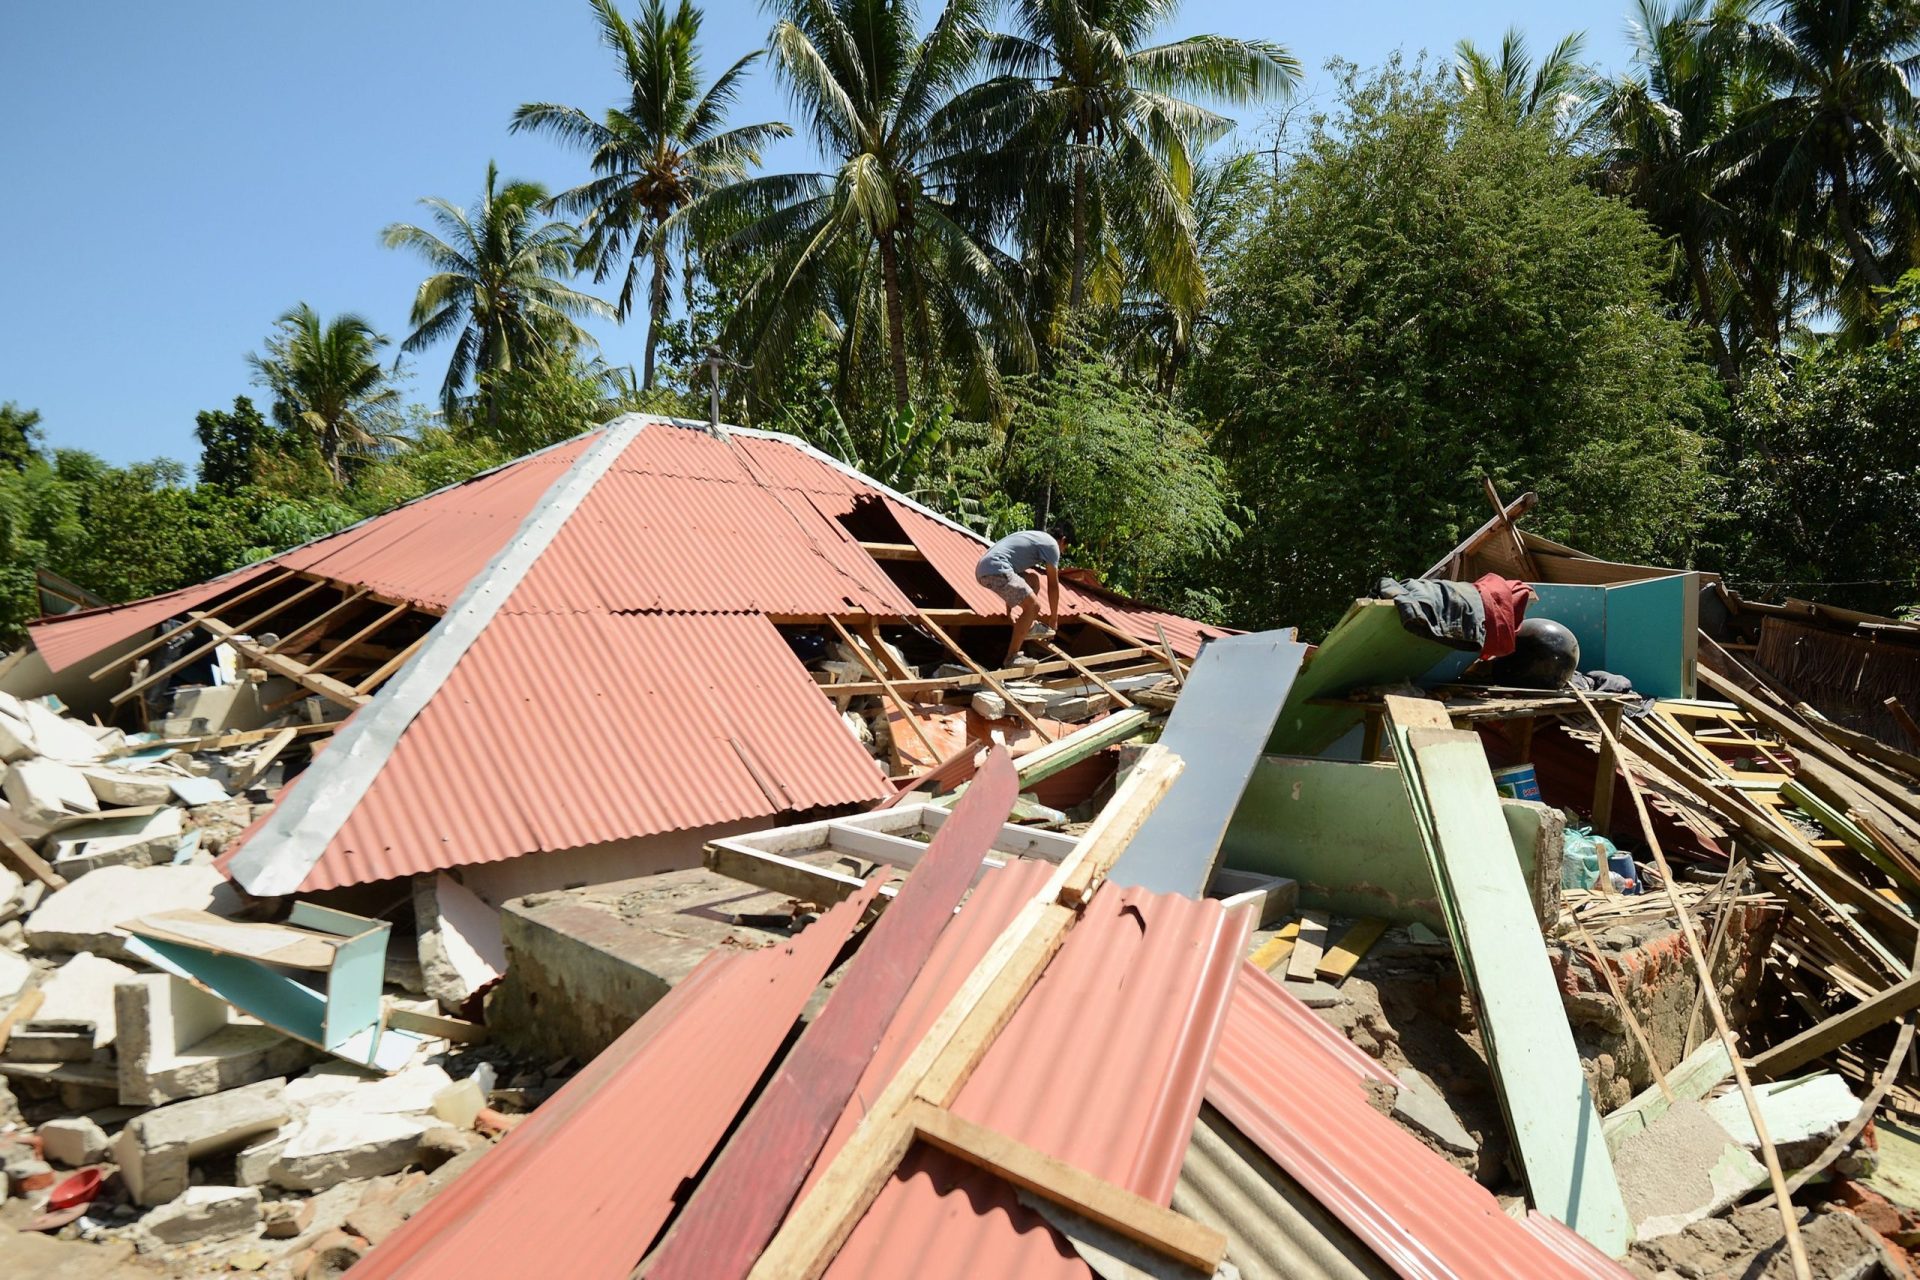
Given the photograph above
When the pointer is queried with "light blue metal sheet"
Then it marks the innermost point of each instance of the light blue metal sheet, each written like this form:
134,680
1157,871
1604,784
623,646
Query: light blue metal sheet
1219,728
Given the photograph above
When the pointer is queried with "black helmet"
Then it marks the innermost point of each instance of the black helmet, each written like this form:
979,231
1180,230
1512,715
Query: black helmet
1544,655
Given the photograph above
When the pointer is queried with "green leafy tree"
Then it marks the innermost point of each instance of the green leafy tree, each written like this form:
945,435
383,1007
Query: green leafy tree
499,287
328,382
877,243
1824,471
1127,477
1102,134
533,406
668,143
19,435
1431,295
232,442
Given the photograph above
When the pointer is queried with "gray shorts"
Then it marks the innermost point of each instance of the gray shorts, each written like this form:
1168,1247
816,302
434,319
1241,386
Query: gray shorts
1008,585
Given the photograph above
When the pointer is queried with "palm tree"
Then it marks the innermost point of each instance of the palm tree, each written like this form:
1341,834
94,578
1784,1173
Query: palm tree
879,243
1512,88
1664,121
497,283
1094,113
654,155
327,379
1834,144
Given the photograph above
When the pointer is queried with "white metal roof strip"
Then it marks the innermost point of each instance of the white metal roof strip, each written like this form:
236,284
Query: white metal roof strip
277,858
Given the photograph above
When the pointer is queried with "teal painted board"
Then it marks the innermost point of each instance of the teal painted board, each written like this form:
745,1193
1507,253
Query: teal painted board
1490,918
1653,634
1581,610
1368,647
353,987
268,994
1220,725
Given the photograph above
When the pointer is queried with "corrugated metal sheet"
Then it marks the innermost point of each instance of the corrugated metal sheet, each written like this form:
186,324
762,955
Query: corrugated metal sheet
1294,1086
1274,1229
71,637
1102,1066
559,731
645,541
581,1188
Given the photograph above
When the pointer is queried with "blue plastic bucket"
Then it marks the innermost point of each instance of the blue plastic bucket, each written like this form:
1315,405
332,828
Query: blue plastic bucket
1516,782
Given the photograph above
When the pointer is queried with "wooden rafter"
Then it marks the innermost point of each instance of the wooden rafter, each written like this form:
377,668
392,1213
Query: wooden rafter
202,618
333,654
318,626
301,674
905,707
987,676
171,632
390,666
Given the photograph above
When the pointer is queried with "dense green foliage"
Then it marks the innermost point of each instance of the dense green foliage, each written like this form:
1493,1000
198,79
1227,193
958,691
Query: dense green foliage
1429,295
1034,279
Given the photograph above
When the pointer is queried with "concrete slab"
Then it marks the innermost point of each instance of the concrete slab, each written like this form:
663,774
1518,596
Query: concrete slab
45,791
1420,1107
583,964
58,738
461,950
81,990
176,1041
1683,1167
86,914
341,1085
154,1150
145,841
125,788
203,1213
14,972
333,1144
73,1141
1803,1115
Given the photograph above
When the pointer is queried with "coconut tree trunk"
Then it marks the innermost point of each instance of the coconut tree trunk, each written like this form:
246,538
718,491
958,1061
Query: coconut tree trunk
1077,292
656,312
896,317
1864,259
1710,315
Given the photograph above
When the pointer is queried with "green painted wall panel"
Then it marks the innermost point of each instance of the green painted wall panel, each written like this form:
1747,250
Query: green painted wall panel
1345,831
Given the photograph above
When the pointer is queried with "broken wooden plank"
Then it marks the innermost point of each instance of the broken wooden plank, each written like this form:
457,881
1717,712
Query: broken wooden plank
201,619
326,686
23,1009
1340,959
738,1205
893,551
1489,912
391,665
940,1065
1137,1218
899,701
1876,1011
457,1030
777,873
17,851
1273,953
1087,673
985,675
1309,946
263,759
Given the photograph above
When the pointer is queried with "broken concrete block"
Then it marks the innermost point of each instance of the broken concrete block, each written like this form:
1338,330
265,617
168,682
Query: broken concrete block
460,946
341,1085
142,841
81,990
73,1141
85,916
58,738
45,791
10,894
285,1219
176,1041
153,1151
51,1040
1803,1115
125,788
1683,1167
16,737
14,972
203,1213
1420,1107
333,1144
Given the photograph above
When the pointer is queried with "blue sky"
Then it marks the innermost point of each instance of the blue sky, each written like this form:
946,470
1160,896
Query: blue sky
179,174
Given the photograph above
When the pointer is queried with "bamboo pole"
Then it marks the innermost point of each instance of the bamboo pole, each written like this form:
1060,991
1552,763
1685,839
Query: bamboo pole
1789,1224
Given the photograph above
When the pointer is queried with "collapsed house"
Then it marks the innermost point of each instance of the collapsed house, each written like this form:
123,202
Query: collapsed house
643,843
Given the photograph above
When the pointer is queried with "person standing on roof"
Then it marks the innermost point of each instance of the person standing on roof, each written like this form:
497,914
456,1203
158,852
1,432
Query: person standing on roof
1011,570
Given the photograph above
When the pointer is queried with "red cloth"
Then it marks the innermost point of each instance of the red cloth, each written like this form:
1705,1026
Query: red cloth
1506,604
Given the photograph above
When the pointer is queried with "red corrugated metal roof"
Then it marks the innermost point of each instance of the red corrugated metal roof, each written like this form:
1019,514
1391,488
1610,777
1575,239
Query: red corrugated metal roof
70,637
1102,1066
1293,1085
563,730
583,1186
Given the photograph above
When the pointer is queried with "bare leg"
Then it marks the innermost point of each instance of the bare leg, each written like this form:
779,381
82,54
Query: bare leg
1023,620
